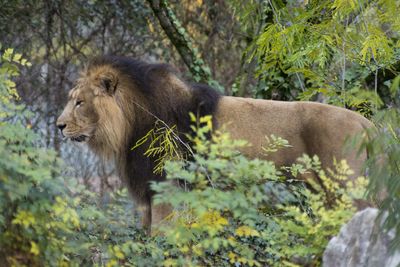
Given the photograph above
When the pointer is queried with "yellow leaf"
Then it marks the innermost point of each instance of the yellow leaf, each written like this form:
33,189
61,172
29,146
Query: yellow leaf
112,263
34,248
118,253
192,117
214,218
7,54
24,218
232,257
74,218
17,57
169,262
246,231
151,27
197,250
184,249
206,119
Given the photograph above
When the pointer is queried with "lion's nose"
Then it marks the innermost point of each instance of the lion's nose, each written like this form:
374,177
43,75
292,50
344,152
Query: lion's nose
61,126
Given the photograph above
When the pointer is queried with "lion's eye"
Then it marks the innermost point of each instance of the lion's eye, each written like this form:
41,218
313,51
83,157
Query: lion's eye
78,103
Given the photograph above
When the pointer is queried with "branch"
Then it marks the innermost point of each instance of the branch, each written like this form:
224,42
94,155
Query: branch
180,39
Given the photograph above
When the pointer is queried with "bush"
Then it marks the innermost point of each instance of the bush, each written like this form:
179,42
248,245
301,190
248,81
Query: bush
341,51
35,216
383,168
230,210
46,220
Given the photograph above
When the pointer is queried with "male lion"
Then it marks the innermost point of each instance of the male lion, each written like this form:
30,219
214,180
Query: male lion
117,100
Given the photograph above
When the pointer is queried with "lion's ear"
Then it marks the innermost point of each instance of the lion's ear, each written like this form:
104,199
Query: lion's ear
108,82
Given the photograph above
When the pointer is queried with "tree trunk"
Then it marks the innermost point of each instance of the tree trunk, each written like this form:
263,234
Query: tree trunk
181,40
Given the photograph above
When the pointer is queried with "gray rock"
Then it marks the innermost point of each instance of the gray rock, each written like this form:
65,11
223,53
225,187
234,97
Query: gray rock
360,243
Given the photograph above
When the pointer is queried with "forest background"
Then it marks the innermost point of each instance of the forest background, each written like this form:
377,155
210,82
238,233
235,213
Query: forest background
60,205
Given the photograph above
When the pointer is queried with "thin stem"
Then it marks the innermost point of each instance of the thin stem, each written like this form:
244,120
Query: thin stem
372,55
344,65
376,88
277,21
174,135
344,74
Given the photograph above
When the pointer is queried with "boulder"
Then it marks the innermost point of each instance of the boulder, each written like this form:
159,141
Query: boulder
361,243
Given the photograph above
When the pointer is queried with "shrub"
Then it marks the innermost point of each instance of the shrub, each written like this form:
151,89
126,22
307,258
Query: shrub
35,217
46,220
383,168
230,210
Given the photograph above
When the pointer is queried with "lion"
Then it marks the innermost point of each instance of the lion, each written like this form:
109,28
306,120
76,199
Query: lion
117,100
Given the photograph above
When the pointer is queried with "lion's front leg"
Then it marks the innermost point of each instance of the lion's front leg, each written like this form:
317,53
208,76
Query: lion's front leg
159,213
153,216
144,210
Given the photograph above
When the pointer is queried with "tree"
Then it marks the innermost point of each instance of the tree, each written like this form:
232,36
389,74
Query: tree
340,52
182,42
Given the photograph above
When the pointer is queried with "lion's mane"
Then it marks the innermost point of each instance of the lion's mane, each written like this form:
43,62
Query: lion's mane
144,94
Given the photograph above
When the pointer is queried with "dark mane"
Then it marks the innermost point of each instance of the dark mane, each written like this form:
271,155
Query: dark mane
141,73
149,79
165,100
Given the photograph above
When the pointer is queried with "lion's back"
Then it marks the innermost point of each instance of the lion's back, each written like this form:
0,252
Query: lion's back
310,127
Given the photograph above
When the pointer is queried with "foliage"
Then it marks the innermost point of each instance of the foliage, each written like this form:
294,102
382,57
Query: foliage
163,144
230,210
304,232
46,220
35,217
345,51
384,168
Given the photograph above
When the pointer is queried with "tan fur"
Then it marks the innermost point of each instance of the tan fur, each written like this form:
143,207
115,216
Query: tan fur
110,113
311,128
108,134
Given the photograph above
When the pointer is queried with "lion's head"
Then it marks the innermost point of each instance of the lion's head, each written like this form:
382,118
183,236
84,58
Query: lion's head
93,113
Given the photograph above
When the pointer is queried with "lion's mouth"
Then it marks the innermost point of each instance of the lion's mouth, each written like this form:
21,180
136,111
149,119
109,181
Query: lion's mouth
80,138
